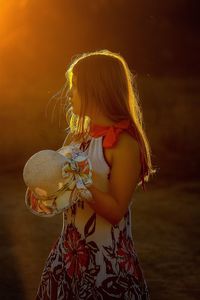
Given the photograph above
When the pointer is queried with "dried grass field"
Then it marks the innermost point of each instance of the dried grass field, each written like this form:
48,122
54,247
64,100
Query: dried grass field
165,227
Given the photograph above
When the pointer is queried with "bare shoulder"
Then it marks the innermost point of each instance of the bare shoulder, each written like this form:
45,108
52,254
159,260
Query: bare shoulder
126,145
125,171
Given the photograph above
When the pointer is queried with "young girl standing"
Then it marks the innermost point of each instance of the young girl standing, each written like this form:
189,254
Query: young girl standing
94,257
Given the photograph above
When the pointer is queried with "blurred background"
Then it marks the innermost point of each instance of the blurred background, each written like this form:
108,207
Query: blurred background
160,41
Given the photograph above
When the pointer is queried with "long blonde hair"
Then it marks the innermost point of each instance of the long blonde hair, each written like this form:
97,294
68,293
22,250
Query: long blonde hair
104,78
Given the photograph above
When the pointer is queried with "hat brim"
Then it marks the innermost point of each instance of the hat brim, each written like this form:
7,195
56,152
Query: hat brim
50,208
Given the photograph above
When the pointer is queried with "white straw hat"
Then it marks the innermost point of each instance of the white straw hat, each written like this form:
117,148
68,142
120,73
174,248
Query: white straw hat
56,180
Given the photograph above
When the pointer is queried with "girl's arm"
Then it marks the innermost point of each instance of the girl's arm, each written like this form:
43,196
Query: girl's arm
124,176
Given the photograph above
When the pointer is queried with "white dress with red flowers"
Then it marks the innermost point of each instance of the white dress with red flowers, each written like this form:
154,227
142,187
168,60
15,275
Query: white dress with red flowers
92,259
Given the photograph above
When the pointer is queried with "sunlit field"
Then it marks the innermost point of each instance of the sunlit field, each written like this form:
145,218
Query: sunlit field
165,227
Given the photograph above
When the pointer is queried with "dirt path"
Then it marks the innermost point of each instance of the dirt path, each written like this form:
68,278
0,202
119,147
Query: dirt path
166,227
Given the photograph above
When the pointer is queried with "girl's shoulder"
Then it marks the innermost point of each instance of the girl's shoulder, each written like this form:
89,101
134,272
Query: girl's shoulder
125,171
125,143
125,147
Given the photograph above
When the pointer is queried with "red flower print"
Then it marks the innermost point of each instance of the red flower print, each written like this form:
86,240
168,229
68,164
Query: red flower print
77,255
127,256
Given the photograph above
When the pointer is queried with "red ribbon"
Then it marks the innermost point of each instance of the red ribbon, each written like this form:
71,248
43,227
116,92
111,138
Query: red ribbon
111,136
110,132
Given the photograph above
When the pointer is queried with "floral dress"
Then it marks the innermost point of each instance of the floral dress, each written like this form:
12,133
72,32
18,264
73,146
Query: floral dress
92,259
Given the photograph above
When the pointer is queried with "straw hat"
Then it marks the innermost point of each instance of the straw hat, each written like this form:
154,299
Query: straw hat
56,180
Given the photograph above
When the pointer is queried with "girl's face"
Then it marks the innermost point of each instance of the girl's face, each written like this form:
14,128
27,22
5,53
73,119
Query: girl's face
75,98
76,101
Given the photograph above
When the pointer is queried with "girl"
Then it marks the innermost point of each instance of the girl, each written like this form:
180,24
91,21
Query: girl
94,257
